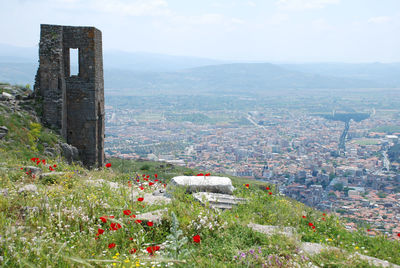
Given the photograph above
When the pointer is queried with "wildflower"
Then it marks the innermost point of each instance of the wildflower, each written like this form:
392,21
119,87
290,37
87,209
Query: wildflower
131,238
313,227
156,180
51,169
323,214
127,212
208,174
369,230
270,193
196,239
55,165
150,223
323,219
132,216
111,245
155,175
304,217
138,221
140,199
398,234
247,185
127,261
267,188
108,165
151,183
100,231
44,161
115,226
132,251
152,249
310,224
356,248
200,174
141,188
103,219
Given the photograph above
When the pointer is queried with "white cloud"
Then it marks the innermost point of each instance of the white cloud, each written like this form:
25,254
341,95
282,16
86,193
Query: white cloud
304,4
379,19
132,8
278,18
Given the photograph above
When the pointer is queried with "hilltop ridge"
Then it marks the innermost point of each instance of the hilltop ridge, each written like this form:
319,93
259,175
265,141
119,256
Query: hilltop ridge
58,213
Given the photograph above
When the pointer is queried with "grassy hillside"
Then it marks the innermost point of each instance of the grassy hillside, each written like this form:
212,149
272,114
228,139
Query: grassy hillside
82,217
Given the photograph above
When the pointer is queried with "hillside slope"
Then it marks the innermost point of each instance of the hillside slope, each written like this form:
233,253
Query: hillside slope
74,217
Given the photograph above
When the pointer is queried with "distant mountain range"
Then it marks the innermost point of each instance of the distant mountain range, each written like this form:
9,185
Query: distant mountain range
143,72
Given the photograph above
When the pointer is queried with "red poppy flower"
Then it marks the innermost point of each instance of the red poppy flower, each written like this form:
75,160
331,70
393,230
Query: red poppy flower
165,185
140,199
323,219
131,238
270,193
132,216
51,169
208,174
151,183
111,245
38,162
323,214
313,227
96,238
369,230
132,251
115,226
398,234
127,212
156,180
112,217
138,221
44,161
137,180
150,223
141,188
310,224
155,175
55,165
196,239
22,168
152,249
267,188
247,185
108,165
33,159
145,179
304,217
200,174
103,219
144,175
148,176
100,231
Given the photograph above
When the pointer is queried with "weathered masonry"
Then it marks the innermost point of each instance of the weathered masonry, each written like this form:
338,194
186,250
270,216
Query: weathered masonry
73,103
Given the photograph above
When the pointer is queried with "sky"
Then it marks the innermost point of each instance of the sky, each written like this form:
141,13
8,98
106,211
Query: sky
245,30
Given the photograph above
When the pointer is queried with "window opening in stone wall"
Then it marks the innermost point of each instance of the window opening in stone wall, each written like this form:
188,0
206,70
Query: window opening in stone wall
74,61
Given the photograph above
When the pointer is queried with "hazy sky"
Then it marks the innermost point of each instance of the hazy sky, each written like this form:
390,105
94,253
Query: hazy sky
265,30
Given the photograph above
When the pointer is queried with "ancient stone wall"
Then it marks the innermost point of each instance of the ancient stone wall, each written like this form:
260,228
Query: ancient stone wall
73,104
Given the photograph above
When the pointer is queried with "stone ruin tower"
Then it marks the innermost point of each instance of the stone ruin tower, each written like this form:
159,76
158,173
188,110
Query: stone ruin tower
73,104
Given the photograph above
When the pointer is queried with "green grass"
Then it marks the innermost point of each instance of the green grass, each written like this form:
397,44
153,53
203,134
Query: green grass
367,141
57,226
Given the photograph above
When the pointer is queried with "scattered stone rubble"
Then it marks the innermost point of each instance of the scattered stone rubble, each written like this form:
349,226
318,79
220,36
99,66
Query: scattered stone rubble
314,248
209,190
